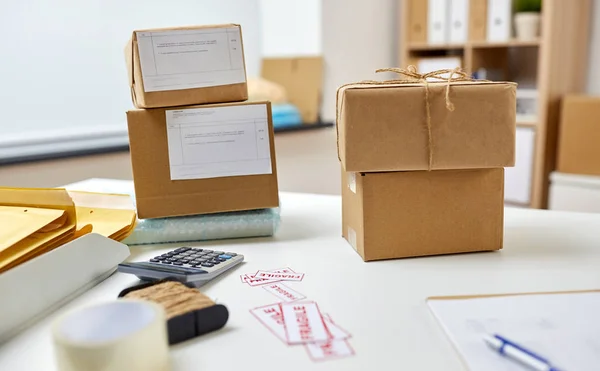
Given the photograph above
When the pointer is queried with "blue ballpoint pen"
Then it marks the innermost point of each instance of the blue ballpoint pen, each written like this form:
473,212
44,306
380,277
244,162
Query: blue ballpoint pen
519,354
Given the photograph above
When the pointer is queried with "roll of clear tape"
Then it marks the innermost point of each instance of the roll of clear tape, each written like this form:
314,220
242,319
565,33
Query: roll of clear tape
125,334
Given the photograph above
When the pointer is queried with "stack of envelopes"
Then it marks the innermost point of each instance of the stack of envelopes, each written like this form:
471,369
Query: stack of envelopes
37,220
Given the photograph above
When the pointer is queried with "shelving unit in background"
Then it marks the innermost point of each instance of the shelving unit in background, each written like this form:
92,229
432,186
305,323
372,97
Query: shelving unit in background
556,63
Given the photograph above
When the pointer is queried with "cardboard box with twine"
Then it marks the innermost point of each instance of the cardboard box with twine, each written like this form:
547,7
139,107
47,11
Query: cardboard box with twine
423,163
416,124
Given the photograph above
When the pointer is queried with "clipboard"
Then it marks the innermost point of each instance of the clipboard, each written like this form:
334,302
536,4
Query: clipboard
480,296
561,325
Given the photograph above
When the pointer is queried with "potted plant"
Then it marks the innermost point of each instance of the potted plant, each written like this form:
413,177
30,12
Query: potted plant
527,19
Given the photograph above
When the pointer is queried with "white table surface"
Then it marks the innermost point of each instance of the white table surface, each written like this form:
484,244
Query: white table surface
383,304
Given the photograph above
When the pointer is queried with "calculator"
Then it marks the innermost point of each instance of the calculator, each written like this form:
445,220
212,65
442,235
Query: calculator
185,264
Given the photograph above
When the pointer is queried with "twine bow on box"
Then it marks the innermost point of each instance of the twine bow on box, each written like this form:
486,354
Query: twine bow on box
412,76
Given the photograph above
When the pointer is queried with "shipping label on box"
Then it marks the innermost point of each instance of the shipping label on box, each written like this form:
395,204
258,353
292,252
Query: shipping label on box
186,59
213,142
433,126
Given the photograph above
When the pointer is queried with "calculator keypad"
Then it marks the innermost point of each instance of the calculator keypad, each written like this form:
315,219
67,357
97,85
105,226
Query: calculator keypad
194,257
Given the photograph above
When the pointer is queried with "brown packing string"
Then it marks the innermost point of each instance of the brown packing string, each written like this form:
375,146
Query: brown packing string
411,76
176,298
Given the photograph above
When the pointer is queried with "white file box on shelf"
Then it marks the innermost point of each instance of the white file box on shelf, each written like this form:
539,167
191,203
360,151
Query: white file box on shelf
574,192
41,285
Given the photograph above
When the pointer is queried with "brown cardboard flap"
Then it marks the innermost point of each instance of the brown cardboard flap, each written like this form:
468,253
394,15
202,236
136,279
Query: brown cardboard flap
302,77
467,297
129,60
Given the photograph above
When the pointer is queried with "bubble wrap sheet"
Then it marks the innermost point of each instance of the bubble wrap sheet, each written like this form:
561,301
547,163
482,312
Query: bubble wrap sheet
252,223
239,224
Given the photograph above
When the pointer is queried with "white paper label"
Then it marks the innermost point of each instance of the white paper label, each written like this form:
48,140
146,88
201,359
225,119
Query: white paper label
279,276
186,59
216,142
352,182
352,237
283,292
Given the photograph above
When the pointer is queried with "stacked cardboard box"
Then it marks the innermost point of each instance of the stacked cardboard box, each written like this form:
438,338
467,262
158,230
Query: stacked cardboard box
423,166
196,146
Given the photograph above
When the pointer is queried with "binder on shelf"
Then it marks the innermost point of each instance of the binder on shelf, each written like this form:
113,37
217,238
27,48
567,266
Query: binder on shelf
43,284
417,33
437,25
477,20
499,20
458,21
518,179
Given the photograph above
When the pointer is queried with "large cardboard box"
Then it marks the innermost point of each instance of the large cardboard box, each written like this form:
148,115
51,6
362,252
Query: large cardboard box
385,127
203,159
302,78
416,213
579,143
186,65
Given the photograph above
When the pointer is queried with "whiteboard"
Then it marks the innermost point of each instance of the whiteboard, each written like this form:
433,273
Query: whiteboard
62,67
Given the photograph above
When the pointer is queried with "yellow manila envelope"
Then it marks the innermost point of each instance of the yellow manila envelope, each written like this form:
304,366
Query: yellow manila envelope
20,222
111,215
47,238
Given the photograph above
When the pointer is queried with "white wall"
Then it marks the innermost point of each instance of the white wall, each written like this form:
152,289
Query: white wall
358,37
290,27
62,63
593,86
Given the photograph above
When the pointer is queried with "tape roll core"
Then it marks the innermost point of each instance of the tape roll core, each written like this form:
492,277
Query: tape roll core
121,335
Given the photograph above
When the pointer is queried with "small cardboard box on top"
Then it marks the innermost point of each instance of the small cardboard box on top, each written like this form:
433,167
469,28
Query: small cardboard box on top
203,159
579,144
417,213
412,126
180,66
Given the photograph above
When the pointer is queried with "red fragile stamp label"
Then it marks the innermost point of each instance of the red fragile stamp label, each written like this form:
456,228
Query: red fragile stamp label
270,316
283,292
331,349
279,276
303,323
251,279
